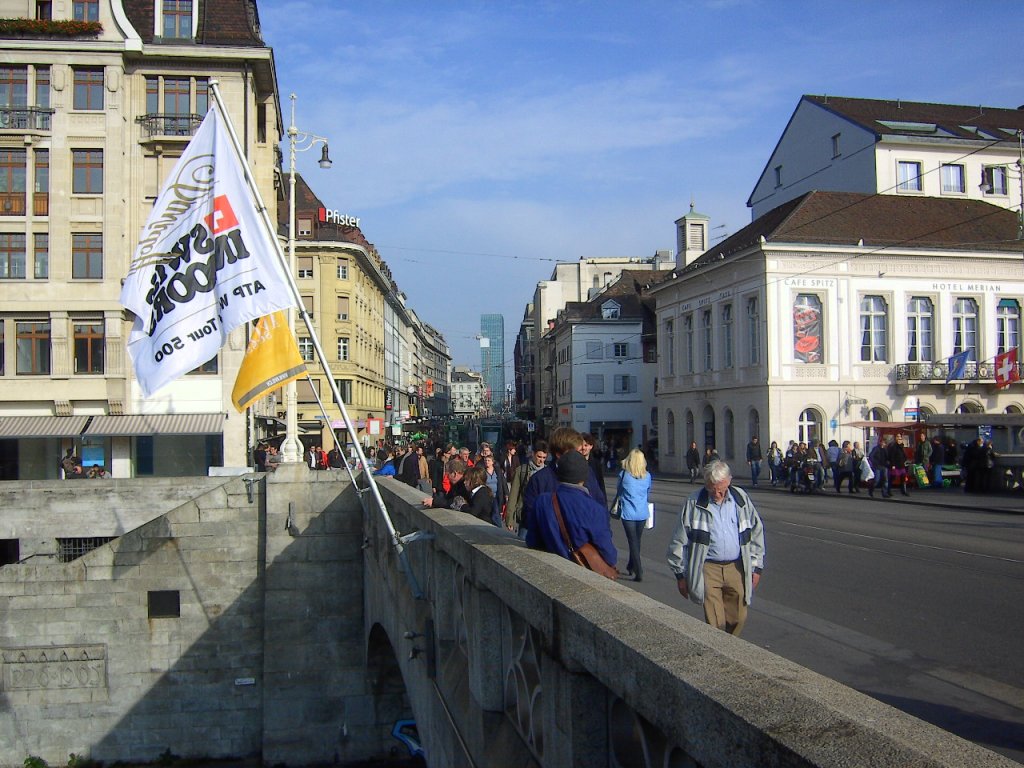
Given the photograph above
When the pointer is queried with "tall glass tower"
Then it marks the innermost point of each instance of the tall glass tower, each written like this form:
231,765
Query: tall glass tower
492,359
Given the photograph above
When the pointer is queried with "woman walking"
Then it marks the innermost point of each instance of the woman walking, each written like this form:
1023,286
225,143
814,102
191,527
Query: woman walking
775,462
634,488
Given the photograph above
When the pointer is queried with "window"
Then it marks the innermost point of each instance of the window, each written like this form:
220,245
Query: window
953,180
778,176
808,342
87,171
836,150
164,604
730,433
670,428
345,389
14,87
919,330
343,307
343,348
620,349
306,348
595,350
72,549
177,16
610,310
2,348
808,426
33,348
41,200
908,176
670,348
709,362
89,347
304,228
727,335
12,182
1007,326
688,361
624,384
595,384
88,89
965,327
873,328
753,331
12,256
85,10
994,180
41,253
44,10
87,256
43,91
343,269
207,368
307,305
305,266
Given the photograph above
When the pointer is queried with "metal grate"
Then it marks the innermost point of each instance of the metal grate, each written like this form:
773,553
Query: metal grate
72,549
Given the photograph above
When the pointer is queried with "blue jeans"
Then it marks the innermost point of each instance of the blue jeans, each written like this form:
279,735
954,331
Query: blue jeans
634,530
755,471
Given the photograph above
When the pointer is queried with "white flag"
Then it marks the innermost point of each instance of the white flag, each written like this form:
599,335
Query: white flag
205,263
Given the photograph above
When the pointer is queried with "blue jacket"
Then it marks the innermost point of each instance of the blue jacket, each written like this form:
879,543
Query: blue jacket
633,494
545,480
585,520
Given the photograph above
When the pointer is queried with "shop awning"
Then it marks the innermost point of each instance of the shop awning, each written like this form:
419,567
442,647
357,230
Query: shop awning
136,424
41,426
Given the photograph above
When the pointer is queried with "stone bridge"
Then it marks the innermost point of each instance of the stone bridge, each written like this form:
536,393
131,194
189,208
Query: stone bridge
271,618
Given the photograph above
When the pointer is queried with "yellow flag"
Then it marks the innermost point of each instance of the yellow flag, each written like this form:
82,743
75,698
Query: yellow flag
272,359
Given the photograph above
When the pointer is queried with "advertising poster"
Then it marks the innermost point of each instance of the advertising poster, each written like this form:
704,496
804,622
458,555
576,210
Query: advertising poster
808,346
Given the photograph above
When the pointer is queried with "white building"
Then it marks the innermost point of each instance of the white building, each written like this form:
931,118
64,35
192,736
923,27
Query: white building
894,147
835,308
467,393
600,365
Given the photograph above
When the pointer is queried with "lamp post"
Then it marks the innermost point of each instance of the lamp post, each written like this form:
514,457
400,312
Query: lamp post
291,448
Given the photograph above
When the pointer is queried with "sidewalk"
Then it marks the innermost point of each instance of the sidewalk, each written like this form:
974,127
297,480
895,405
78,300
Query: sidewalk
948,498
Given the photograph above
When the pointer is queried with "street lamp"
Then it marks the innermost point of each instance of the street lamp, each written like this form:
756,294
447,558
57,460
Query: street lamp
291,448
986,185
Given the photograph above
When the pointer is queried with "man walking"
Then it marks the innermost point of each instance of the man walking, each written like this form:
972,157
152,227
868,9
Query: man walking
754,459
717,550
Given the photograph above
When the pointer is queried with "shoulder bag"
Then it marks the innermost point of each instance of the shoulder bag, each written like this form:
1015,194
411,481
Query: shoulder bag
586,554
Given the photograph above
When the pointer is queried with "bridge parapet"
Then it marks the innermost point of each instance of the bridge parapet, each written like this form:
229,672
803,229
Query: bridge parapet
516,657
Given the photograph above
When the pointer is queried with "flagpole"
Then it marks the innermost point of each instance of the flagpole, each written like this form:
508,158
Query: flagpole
396,541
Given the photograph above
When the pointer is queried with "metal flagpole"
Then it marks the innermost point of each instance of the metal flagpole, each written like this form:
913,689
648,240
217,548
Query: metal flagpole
396,540
334,435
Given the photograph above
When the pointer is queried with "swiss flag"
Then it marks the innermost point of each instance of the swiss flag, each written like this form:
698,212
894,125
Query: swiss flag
1006,368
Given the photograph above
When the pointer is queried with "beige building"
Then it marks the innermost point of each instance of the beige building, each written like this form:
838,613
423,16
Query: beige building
93,116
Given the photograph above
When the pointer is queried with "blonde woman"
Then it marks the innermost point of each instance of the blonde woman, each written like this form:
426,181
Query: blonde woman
633,490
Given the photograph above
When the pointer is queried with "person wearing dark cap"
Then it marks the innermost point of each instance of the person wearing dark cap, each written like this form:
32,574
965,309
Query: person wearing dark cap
586,520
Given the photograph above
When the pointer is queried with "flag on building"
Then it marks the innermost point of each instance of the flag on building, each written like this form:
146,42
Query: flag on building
1006,369
205,263
272,359
957,365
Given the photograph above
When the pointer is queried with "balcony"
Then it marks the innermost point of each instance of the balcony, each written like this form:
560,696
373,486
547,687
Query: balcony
939,371
161,126
25,118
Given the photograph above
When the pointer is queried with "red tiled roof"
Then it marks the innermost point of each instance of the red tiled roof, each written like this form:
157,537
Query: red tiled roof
950,120
849,218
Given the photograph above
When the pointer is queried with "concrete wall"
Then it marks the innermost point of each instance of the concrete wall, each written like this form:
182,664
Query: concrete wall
266,657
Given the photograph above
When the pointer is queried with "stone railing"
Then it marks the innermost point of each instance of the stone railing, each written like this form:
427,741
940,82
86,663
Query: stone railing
521,654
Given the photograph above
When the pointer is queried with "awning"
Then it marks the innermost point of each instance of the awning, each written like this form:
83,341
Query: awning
42,426
886,426
975,419
157,424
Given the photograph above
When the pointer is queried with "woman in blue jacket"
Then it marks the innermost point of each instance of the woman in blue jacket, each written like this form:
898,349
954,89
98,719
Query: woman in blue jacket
633,490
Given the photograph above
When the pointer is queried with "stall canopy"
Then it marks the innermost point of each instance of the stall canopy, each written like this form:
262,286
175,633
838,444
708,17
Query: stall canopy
136,424
12,427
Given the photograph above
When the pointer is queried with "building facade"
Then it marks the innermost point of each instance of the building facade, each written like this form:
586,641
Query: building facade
467,393
834,309
92,119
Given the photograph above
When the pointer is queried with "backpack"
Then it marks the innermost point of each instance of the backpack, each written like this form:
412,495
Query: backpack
846,462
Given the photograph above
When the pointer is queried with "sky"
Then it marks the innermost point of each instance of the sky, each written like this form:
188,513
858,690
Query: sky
480,143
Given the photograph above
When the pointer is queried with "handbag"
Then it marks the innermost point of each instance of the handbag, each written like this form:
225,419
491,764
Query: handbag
650,515
585,554
615,511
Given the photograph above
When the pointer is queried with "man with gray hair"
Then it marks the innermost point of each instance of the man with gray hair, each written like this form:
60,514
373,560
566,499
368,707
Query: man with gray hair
717,550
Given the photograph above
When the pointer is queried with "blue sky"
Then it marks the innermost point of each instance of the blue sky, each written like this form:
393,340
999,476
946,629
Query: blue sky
482,142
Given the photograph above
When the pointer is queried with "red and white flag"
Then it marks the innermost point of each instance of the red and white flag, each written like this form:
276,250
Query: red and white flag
205,263
1006,369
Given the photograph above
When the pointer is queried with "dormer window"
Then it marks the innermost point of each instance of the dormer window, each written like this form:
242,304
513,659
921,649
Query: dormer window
177,19
610,310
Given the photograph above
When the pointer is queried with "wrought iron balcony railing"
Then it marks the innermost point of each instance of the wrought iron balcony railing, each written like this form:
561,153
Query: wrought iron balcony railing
939,371
25,118
154,124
